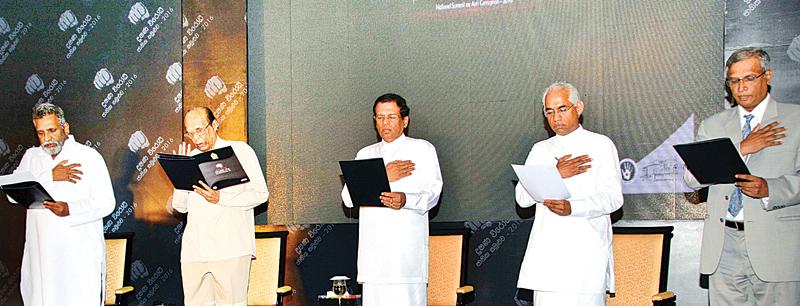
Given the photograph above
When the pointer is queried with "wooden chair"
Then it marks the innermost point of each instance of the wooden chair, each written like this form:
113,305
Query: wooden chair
266,285
118,265
641,265
447,267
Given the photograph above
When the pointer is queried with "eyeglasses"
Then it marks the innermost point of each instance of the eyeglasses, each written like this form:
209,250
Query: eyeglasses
747,81
392,117
197,132
549,112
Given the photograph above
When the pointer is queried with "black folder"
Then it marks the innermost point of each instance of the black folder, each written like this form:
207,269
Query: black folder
217,168
365,179
30,194
713,161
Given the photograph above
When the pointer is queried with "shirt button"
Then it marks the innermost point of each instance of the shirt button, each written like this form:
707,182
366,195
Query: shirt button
726,198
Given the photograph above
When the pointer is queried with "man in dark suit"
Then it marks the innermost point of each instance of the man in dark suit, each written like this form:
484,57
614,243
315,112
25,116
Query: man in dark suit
751,237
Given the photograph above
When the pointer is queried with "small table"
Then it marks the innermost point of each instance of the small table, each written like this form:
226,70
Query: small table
352,300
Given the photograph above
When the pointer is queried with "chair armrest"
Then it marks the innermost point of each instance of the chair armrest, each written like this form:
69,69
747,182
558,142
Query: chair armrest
285,290
465,289
663,296
123,290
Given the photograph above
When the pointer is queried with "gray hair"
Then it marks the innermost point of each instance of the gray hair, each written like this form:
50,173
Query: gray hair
749,52
574,95
43,109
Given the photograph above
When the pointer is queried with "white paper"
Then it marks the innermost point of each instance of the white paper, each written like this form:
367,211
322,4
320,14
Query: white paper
22,176
542,182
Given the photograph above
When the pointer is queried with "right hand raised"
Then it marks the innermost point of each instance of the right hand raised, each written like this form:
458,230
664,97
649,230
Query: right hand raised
65,172
762,137
399,169
571,167
183,149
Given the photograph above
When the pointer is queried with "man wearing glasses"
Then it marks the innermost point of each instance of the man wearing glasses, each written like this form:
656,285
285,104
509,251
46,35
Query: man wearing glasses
569,258
393,240
219,240
751,236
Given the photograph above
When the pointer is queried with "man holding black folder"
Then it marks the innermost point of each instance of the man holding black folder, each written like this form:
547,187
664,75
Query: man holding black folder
219,241
393,240
63,260
751,236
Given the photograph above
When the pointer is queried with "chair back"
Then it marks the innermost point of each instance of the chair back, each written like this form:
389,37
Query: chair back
118,257
641,264
267,269
447,251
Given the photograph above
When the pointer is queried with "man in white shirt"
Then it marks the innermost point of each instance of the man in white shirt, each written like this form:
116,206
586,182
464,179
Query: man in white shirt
751,234
64,258
393,240
219,241
569,258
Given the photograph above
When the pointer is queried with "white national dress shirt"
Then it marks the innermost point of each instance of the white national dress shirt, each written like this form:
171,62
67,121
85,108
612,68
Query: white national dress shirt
227,229
574,253
63,260
393,244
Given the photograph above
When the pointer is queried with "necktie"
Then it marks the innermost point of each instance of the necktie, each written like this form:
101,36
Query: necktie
735,203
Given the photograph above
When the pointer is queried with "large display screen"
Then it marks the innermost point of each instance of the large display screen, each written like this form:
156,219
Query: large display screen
473,73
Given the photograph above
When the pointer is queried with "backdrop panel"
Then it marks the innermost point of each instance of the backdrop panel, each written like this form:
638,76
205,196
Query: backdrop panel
112,67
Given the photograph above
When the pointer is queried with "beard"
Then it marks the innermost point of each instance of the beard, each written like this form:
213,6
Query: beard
58,145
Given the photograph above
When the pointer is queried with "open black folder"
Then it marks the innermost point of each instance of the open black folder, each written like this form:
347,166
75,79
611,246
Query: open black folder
218,168
25,190
365,179
713,161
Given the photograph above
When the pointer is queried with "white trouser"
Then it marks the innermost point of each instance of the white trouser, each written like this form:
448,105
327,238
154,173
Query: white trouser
221,283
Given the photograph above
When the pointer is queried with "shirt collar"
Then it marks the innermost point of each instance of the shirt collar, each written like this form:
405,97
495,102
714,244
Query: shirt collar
395,142
576,132
758,112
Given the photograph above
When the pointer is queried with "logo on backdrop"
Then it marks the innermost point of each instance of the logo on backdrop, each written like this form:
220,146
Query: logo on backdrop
138,13
752,5
174,73
102,79
475,226
4,149
195,31
82,27
215,86
628,169
138,270
11,160
4,27
138,141
14,35
661,170
34,84
67,20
